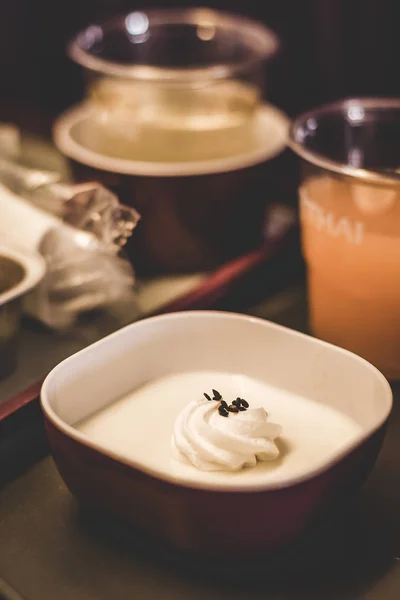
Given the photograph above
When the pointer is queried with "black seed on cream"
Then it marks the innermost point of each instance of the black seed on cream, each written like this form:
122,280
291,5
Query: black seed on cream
207,396
217,395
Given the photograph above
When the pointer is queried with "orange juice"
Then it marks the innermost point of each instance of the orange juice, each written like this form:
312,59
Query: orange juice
351,243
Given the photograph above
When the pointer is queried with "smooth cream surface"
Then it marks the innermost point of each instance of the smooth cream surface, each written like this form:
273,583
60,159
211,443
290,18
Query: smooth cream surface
139,427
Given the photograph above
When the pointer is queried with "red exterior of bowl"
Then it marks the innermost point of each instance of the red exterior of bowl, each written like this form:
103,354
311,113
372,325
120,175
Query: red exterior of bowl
207,521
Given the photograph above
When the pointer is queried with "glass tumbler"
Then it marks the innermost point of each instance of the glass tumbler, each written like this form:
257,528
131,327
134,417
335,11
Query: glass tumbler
350,222
173,84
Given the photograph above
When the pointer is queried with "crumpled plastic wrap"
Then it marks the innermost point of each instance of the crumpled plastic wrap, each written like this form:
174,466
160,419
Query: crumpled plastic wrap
78,229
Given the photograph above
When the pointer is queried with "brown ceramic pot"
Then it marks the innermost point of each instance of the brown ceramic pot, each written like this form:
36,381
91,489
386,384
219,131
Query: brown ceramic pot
195,216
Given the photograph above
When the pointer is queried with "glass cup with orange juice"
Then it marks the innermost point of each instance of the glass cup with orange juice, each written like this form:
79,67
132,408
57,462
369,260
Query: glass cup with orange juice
350,221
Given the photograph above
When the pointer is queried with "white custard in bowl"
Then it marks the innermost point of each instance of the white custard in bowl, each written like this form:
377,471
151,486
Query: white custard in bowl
138,428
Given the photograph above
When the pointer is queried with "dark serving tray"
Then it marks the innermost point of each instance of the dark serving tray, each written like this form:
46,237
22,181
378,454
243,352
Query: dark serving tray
51,550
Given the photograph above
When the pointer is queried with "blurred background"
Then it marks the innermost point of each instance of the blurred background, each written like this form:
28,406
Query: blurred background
331,49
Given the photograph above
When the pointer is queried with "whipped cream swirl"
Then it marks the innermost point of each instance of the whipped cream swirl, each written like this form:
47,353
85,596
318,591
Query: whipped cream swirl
212,442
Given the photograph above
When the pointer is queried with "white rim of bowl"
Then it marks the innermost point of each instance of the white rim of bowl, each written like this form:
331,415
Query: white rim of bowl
65,142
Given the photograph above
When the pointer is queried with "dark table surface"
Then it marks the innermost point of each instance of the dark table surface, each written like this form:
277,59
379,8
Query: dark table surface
49,549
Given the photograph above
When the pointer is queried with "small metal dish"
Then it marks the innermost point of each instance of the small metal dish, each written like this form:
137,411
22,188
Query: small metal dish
19,273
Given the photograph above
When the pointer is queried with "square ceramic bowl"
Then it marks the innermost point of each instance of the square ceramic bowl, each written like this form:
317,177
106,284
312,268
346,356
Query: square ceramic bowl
222,514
